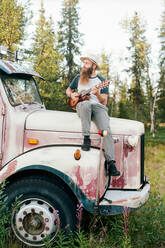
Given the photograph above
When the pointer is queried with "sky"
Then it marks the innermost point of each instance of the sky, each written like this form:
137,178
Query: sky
100,22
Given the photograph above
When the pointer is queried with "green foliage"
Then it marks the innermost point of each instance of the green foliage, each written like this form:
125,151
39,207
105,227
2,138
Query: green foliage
112,103
125,106
105,65
155,157
5,216
123,110
69,37
139,50
147,226
60,241
47,59
12,23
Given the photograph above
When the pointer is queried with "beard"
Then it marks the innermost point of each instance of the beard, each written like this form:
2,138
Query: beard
85,74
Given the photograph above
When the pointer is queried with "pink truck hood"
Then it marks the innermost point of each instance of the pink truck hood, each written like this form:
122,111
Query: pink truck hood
60,121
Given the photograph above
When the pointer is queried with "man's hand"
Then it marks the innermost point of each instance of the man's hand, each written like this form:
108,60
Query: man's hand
95,91
71,94
103,98
74,96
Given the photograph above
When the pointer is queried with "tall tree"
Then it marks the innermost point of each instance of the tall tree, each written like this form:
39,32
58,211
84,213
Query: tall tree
125,106
105,65
69,37
139,49
46,61
13,20
161,102
112,104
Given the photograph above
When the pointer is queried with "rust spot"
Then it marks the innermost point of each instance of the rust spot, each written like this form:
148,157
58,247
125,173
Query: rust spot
125,200
120,201
78,176
9,66
119,182
88,189
136,198
125,148
11,168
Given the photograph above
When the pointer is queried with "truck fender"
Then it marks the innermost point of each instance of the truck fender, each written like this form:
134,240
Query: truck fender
79,175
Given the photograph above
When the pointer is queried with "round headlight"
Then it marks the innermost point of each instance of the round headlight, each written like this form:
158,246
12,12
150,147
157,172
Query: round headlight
133,140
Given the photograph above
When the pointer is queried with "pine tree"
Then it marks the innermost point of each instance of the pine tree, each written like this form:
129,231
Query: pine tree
13,20
69,37
46,61
139,50
113,100
125,106
161,87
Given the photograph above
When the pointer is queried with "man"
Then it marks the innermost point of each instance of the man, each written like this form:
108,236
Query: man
93,108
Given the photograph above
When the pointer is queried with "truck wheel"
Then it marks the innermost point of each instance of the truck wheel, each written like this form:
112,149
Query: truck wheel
43,209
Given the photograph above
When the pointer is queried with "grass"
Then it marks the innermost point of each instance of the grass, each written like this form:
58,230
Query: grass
144,228
155,161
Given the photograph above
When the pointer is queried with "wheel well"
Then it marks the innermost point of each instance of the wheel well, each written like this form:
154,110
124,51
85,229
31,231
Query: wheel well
46,174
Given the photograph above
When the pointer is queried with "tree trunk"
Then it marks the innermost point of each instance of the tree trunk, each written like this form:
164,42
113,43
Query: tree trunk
152,115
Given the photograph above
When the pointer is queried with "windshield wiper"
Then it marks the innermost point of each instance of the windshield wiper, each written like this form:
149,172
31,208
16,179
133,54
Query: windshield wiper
33,103
37,103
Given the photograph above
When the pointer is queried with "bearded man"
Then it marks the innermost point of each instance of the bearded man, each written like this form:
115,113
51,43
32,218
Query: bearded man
94,108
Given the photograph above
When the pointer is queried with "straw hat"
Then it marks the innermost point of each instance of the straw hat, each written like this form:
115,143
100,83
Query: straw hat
93,59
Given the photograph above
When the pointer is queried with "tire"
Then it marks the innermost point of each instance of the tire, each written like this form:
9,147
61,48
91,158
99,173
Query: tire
43,209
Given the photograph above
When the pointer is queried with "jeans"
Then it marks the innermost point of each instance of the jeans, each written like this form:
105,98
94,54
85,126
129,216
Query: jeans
98,113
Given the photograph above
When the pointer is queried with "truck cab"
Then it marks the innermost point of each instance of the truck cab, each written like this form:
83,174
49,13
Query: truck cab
45,168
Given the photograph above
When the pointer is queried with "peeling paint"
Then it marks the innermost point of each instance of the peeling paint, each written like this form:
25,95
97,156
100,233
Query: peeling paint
85,179
11,168
11,67
133,199
119,182
78,176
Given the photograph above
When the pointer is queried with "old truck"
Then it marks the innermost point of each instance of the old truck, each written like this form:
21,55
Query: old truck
43,164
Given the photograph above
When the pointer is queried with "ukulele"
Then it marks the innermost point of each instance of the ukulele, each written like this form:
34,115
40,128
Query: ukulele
85,94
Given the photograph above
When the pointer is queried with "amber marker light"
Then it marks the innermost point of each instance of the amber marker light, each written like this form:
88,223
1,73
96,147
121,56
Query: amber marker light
77,154
33,141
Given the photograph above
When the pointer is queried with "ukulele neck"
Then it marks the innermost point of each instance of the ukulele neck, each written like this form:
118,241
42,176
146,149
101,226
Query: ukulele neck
86,92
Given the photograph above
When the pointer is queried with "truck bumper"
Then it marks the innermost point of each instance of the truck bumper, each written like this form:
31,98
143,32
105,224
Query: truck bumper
116,201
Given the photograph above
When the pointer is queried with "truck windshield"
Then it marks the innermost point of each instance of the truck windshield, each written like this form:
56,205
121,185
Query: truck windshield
21,90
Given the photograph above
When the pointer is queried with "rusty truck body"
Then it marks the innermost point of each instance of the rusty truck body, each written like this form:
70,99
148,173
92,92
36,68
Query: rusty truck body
37,159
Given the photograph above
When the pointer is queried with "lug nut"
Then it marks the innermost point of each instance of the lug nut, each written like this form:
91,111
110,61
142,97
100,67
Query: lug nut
26,235
47,228
20,219
46,220
56,222
41,213
34,238
33,210
24,213
21,228
42,235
